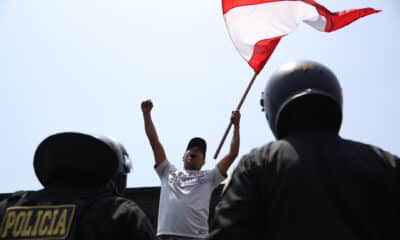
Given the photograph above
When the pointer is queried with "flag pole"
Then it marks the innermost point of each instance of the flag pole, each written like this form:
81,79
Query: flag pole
237,109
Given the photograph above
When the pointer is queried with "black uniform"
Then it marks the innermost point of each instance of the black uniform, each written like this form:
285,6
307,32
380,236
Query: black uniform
65,212
312,187
83,177
310,183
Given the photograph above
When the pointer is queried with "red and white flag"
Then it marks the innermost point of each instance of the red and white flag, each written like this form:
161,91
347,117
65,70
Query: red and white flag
256,26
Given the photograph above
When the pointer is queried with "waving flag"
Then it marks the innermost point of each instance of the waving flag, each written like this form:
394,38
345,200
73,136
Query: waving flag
256,26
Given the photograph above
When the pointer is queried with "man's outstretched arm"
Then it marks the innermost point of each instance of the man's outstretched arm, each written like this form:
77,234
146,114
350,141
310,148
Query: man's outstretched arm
158,150
228,159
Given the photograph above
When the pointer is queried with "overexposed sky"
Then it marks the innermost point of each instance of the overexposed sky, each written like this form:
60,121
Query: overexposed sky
87,65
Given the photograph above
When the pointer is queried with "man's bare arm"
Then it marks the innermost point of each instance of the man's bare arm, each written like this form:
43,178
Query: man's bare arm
228,159
158,150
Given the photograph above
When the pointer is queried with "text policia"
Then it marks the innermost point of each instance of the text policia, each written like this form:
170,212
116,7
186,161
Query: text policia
38,221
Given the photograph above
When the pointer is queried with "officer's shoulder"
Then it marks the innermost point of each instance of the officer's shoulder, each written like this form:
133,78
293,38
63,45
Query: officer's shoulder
128,203
386,156
115,200
15,197
18,195
120,203
267,152
116,206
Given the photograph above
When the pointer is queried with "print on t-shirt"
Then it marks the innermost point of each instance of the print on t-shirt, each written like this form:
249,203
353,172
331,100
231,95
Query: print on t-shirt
185,180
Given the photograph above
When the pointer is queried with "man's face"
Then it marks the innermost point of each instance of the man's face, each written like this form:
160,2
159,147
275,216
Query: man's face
193,159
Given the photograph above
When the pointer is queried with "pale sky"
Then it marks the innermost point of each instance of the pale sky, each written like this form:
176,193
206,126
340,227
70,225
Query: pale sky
68,65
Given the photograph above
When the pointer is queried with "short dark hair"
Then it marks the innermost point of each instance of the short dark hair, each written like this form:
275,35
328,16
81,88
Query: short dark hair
198,142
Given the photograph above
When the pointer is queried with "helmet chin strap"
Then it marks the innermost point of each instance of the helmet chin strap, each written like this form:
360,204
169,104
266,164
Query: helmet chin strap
118,184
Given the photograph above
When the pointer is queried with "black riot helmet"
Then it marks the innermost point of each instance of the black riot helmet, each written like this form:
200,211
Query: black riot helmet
77,158
119,179
302,96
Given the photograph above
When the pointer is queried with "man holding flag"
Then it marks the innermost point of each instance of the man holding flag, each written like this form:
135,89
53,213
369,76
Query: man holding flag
185,194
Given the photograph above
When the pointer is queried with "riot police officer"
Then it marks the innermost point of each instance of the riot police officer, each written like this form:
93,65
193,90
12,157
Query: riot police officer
84,177
310,183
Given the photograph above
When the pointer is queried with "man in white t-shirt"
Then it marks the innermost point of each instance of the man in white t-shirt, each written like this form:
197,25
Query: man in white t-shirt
185,194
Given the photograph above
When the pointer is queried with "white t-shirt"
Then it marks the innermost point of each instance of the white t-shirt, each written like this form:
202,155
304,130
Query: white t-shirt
184,200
